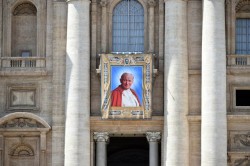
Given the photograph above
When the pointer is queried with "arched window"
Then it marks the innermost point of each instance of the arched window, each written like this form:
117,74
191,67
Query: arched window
128,27
242,31
24,30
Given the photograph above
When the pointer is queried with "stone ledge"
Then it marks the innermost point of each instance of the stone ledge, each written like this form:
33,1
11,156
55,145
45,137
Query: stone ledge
30,72
138,126
232,70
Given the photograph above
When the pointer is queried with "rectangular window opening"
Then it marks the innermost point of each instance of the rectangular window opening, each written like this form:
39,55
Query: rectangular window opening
243,97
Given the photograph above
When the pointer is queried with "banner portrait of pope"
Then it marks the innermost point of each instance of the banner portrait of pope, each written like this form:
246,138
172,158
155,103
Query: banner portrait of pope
127,91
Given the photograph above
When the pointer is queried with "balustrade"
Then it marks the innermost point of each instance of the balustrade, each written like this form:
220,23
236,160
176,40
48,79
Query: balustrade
23,62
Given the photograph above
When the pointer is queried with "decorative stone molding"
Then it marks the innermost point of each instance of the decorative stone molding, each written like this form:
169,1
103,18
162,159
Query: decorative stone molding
153,136
228,2
151,3
23,97
240,6
244,139
175,0
103,3
21,150
101,136
22,120
25,9
22,123
242,161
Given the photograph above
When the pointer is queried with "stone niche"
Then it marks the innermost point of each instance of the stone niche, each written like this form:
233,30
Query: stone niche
23,140
23,97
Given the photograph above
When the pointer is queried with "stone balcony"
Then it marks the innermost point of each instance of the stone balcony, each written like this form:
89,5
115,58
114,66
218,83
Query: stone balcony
238,60
238,64
23,66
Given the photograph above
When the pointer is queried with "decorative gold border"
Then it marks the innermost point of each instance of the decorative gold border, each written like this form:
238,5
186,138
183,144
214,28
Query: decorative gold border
143,112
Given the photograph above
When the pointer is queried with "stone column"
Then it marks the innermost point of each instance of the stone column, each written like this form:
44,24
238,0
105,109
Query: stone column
59,61
176,134
151,4
153,139
77,127
103,3
214,125
101,139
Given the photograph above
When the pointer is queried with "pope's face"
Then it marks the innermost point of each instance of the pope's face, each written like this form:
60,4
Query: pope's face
127,81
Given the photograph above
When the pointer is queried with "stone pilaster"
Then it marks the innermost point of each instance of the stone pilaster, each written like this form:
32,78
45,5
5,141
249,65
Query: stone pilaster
77,131
153,139
58,79
103,3
101,138
176,137
214,126
151,4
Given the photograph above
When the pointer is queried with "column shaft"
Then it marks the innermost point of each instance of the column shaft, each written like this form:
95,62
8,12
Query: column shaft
104,26
176,137
101,154
58,79
153,138
214,127
151,27
153,154
77,132
101,139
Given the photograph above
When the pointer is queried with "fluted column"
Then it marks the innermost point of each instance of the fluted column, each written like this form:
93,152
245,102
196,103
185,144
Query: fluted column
101,138
153,139
151,4
176,137
103,3
214,127
77,132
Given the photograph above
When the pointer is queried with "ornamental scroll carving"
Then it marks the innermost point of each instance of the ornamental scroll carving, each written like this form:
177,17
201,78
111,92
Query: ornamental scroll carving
25,9
22,123
242,6
242,162
244,139
151,3
21,150
101,136
153,136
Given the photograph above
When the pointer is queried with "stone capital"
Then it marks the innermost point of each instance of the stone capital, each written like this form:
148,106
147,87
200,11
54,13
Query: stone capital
101,136
175,0
103,3
153,136
151,3
77,0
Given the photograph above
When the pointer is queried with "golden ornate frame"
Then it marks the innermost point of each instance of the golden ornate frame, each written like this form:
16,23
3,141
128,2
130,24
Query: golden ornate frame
109,60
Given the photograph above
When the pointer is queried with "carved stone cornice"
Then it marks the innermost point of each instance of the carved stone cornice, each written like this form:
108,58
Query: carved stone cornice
103,3
101,136
151,3
153,136
21,123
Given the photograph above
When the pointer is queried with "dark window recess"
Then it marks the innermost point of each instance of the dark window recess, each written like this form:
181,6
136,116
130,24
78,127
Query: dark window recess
242,97
128,151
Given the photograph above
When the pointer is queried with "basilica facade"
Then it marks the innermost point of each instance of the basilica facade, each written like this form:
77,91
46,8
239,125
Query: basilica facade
58,59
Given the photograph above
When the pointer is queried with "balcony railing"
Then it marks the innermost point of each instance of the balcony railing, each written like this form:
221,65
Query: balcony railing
238,60
23,62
